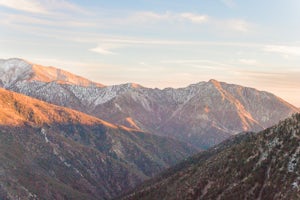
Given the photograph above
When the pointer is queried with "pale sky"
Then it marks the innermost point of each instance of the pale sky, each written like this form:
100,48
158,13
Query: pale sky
160,43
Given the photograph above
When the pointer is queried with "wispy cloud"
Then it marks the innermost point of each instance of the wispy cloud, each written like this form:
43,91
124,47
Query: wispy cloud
22,19
276,79
107,44
101,50
167,16
32,6
238,25
195,18
40,7
64,5
107,48
283,49
119,40
194,61
200,64
148,16
248,61
229,3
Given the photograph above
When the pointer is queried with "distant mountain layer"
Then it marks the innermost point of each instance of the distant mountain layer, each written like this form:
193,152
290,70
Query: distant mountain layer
251,166
202,114
16,70
51,152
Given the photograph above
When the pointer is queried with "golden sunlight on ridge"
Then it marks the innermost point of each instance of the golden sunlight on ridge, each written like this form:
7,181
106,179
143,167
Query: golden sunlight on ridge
17,109
49,74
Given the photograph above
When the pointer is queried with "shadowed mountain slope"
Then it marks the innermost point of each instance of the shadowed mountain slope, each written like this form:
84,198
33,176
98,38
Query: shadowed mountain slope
265,165
51,152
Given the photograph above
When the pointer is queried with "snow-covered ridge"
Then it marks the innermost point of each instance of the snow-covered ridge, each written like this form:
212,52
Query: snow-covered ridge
99,95
13,70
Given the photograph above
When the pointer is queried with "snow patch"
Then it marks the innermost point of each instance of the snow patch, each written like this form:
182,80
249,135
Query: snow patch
293,162
118,107
138,97
265,119
265,153
295,185
13,70
67,164
43,131
63,160
295,134
108,93
117,148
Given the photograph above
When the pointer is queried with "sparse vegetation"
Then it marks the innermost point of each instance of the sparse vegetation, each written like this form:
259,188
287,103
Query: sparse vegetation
51,152
250,166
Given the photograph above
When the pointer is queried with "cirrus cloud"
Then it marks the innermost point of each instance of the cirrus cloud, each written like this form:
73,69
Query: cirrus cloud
236,25
283,49
167,16
195,18
40,7
248,61
229,3
32,6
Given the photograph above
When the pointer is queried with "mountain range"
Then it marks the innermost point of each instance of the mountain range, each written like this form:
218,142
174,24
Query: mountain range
52,152
265,165
72,138
202,114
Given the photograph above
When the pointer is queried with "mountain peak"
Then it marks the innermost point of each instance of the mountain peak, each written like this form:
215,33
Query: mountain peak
52,74
213,81
14,60
133,85
13,70
17,70
216,83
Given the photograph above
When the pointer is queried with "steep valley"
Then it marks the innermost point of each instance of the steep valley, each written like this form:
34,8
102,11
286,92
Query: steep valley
51,152
265,165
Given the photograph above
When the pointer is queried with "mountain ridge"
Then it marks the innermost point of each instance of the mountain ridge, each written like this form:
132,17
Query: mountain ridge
262,165
53,152
202,114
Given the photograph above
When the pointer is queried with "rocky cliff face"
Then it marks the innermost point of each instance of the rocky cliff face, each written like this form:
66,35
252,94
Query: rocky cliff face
265,165
203,114
51,152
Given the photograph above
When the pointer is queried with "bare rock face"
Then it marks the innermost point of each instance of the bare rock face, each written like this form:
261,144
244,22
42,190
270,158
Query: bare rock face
265,165
52,152
202,114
